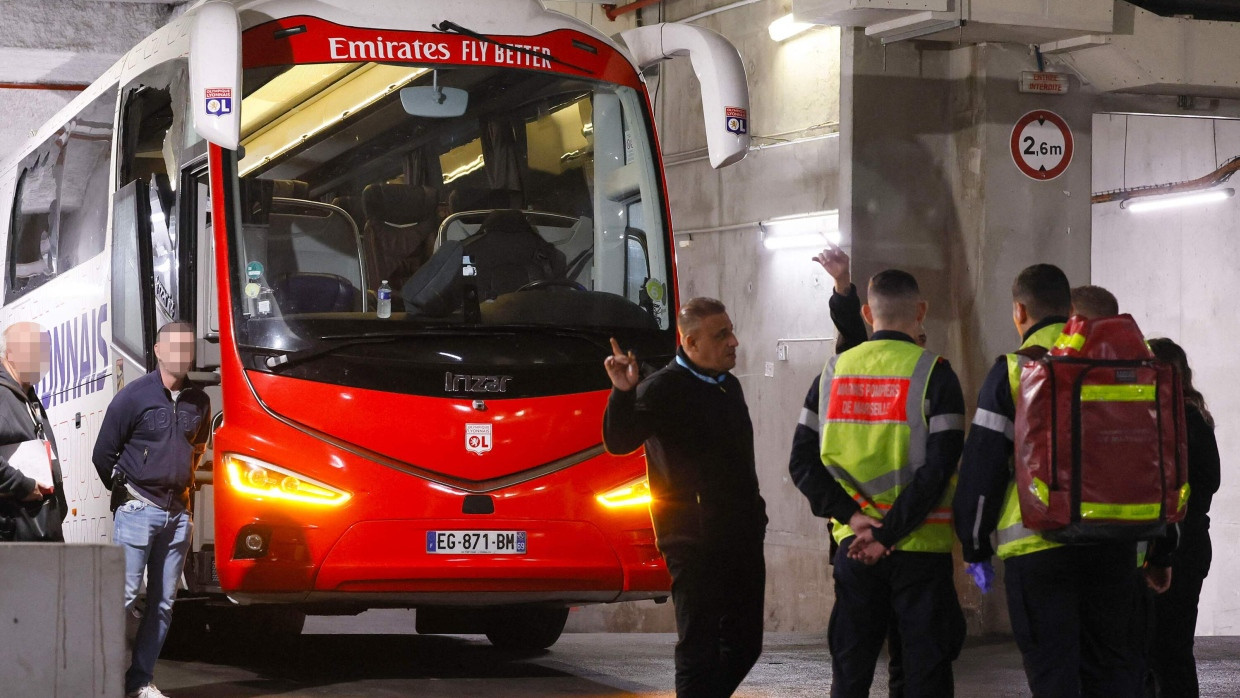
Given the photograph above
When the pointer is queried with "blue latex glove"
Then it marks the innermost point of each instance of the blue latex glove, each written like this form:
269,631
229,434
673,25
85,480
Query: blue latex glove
983,573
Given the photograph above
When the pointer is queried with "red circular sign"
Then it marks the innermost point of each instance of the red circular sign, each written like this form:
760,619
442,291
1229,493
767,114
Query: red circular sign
1041,145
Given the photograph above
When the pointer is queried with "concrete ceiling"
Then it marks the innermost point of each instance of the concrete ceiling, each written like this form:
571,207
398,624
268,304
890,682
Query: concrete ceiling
1225,10
72,41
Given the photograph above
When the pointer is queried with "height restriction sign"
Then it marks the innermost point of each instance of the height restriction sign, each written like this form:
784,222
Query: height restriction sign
1042,144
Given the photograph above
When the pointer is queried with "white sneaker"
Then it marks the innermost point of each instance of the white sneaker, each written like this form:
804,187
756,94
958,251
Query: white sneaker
147,691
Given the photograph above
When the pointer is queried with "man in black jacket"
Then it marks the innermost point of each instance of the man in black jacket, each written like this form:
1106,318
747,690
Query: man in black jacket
23,362
709,518
827,499
152,436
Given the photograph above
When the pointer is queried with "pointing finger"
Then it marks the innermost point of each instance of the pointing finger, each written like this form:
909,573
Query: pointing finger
615,348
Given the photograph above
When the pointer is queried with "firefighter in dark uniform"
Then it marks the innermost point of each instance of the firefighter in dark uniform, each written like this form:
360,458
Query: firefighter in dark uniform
709,518
891,417
1069,605
826,498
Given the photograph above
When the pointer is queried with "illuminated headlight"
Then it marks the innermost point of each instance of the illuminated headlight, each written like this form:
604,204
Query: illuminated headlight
634,493
264,480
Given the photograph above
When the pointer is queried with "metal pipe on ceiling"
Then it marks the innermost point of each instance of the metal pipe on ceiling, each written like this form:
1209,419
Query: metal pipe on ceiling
614,11
717,10
1213,179
63,86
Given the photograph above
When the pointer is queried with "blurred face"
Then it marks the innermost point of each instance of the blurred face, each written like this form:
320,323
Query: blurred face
28,352
175,353
713,345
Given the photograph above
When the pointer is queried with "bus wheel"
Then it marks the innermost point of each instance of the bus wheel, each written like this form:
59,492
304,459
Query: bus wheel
526,627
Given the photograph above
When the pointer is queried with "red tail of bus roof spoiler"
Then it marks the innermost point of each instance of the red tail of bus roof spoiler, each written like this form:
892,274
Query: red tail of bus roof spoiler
720,72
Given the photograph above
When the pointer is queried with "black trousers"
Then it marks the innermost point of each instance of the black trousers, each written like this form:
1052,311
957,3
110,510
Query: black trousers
1071,609
1175,623
718,593
895,665
916,593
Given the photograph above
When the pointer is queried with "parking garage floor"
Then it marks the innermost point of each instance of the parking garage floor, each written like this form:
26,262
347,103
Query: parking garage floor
377,654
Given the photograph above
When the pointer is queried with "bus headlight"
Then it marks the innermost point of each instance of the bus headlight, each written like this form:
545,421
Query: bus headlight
263,480
630,494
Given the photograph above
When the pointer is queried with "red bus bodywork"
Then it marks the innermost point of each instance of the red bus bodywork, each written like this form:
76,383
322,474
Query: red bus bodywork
402,457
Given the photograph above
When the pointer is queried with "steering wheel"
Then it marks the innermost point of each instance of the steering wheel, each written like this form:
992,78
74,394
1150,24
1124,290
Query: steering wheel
552,283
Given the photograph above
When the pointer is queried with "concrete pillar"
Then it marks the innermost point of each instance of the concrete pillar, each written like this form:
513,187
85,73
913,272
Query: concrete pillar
928,184
62,614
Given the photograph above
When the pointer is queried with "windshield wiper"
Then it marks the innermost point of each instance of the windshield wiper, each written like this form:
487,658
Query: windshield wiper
447,26
291,359
599,337
342,341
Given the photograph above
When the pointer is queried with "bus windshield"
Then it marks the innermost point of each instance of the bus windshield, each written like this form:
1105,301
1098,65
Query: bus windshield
537,205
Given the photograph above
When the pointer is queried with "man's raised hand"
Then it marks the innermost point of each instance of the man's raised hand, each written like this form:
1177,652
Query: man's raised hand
621,368
835,261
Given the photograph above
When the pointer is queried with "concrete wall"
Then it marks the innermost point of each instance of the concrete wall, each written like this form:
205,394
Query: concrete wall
794,92
62,610
1175,271
62,41
929,186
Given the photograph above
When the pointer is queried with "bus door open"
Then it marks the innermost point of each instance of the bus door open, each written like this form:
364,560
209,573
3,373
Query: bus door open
162,254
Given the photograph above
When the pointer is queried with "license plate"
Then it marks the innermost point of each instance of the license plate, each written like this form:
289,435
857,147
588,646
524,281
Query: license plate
475,542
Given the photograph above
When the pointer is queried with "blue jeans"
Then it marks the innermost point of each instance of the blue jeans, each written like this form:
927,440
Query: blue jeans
155,541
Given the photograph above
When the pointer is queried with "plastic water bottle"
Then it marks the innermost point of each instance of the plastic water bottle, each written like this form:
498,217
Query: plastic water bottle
385,299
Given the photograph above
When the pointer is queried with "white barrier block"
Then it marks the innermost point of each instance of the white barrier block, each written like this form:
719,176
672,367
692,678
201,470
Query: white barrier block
62,626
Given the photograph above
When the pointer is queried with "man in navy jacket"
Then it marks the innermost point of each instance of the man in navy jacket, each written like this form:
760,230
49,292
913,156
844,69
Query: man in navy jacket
152,436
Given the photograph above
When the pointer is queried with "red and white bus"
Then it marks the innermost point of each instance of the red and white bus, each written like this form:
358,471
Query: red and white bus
268,170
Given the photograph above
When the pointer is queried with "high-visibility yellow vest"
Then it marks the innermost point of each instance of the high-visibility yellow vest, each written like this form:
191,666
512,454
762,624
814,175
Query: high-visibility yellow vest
874,429
1014,538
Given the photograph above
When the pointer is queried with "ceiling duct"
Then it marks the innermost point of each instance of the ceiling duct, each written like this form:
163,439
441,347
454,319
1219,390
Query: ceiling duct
1150,54
1114,46
964,21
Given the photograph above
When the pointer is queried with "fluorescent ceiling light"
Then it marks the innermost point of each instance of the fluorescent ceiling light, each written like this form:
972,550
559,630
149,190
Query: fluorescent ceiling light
806,230
786,27
334,104
789,242
1158,203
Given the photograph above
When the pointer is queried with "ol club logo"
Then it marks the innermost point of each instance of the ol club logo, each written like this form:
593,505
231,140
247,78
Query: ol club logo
218,100
478,438
737,120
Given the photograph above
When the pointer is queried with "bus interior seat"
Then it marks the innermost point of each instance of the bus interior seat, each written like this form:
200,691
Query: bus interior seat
290,189
352,205
401,223
305,240
308,292
509,254
470,199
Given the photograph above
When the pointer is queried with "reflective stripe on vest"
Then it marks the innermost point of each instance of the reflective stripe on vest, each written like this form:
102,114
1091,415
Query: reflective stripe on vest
1013,538
872,419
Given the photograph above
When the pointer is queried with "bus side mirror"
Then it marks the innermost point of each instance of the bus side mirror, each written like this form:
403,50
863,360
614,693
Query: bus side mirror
215,74
720,72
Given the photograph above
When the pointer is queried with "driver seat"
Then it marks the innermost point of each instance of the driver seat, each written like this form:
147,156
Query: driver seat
509,253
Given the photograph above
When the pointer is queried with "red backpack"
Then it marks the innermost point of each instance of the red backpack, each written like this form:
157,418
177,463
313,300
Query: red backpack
1101,451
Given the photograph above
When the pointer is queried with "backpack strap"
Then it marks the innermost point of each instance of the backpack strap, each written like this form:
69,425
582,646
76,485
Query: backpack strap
1033,353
